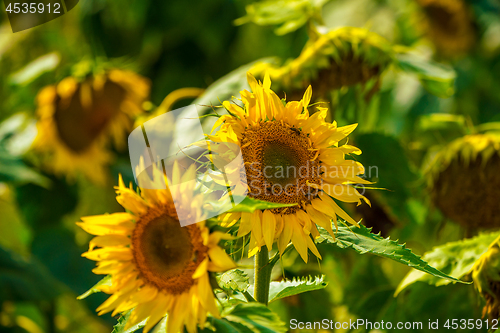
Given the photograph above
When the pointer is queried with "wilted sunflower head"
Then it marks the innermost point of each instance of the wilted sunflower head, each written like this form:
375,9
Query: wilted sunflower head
157,267
77,119
449,25
340,58
290,157
486,277
465,183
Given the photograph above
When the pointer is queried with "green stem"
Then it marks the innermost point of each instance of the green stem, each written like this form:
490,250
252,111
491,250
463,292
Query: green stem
262,276
248,297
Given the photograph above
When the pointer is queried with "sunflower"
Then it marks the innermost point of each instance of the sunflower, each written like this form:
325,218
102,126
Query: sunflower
156,266
486,277
464,176
77,119
449,25
340,58
291,157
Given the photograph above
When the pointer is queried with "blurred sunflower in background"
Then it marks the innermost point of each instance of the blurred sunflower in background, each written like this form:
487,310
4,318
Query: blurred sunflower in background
157,267
338,59
486,277
291,157
79,118
449,25
464,176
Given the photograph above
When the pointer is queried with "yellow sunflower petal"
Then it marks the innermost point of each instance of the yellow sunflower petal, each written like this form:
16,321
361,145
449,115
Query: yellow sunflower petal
108,240
299,239
270,227
220,261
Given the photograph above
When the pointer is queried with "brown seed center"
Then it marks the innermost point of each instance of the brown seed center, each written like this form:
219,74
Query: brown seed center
279,163
78,122
167,254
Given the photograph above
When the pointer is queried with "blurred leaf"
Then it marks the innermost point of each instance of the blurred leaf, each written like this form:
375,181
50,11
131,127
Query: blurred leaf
41,207
247,317
35,68
222,325
436,78
13,126
439,128
22,280
363,241
443,121
291,14
454,259
122,322
452,301
367,289
14,235
16,136
286,288
387,164
228,85
13,169
487,127
235,280
249,205
95,289
55,246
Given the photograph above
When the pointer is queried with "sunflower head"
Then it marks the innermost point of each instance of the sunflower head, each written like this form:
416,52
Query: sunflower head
157,267
291,157
449,25
464,181
77,119
340,58
486,277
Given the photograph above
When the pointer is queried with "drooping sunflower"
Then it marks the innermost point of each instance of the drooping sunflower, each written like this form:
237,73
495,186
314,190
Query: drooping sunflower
290,157
340,58
449,25
486,277
464,176
78,119
157,267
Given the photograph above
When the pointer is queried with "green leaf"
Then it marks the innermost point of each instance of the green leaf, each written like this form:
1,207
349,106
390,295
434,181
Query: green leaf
255,316
436,128
13,169
95,289
246,318
291,14
390,168
235,280
225,326
436,78
22,280
282,289
35,68
16,136
249,205
455,259
363,241
122,322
